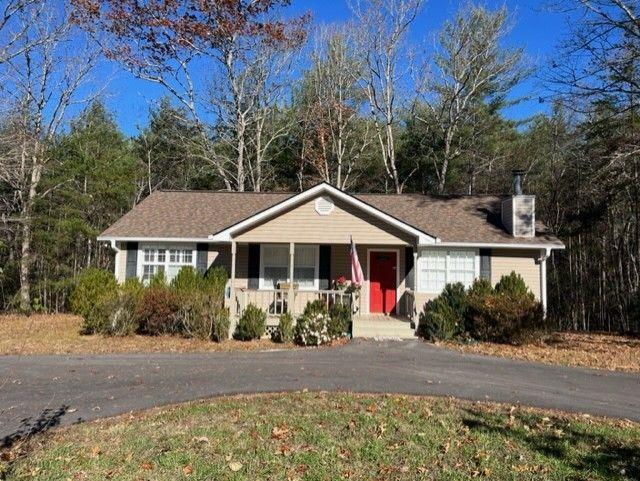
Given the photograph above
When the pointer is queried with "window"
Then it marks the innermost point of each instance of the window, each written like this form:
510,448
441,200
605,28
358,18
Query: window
437,268
156,259
274,266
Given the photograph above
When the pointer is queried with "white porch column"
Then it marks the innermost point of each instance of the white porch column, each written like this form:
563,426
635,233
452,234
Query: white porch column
290,297
544,255
232,284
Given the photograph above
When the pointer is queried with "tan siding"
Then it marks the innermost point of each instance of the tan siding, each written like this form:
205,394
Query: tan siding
242,265
523,262
303,224
220,255
421,299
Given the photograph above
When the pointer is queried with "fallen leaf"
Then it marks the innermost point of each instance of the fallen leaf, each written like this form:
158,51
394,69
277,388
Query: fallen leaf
147,466
96,451
201,439
235,466
187,470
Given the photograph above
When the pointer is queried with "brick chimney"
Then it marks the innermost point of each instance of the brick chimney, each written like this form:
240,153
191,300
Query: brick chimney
519,210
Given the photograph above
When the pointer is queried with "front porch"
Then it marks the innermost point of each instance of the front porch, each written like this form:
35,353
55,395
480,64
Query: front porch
384,306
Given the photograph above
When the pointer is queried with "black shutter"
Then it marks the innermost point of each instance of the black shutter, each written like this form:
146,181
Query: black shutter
324,270
408,266
132,260
201,258
485,264
254,266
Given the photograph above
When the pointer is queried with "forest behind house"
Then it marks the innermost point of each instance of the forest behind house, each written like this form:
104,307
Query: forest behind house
257,99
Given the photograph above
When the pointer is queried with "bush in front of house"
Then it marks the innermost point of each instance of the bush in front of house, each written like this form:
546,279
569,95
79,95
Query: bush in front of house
339,319
158,311
93,288
284,332
505,318
442,318
252,324
202,317
513,285
507,313
312,327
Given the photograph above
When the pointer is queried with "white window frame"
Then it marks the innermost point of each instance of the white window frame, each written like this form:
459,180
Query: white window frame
264,286
423,253
167,247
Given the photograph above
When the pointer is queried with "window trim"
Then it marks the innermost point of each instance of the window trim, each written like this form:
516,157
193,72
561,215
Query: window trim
167,247
262,286
422,257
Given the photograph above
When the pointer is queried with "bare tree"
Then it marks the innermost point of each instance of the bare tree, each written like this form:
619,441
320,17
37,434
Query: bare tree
382,29
167,42
13,28
335,137
46,76
600,55
472,69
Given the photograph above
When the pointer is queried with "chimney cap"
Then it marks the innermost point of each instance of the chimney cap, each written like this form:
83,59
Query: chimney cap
518,171
517,181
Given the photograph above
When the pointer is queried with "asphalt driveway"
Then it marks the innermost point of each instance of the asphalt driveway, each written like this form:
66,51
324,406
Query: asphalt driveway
37,392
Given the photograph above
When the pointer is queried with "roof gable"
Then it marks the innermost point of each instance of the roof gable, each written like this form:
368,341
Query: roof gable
322,189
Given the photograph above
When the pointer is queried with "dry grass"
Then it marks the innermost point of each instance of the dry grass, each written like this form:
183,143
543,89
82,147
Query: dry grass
599,351
320,436
60,334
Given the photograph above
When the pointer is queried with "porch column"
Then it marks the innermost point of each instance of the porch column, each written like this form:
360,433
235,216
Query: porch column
232,284
414,307
290,297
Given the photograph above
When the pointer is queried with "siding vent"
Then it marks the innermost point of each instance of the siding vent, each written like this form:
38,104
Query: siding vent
324,206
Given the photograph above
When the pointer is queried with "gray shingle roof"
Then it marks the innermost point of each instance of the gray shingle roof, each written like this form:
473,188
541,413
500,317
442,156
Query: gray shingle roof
197,214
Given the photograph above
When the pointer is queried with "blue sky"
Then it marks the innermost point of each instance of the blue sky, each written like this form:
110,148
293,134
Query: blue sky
536,29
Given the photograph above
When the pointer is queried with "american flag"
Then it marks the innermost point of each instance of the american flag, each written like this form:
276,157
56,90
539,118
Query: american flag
357,278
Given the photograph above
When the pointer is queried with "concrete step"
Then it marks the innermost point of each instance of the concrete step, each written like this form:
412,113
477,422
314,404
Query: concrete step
383,330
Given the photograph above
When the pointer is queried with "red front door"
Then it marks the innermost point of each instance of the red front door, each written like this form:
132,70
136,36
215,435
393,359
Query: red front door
382,282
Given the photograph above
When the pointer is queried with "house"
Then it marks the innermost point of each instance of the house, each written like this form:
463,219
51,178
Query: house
409,246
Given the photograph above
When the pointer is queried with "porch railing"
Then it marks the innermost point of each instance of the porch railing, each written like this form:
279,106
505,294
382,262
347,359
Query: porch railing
278,301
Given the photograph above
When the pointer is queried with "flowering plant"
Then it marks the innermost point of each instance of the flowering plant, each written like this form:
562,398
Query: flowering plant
340,283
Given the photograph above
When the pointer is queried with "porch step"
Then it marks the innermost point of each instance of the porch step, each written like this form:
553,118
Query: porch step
392,329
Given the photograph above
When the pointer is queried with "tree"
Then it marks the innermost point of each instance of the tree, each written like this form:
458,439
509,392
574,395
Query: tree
163,42
474,73
42,81
334,135
380,38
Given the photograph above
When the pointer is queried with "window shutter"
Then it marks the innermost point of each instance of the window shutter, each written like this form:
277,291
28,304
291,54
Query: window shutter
201,258
132,260
408,267
324,270
254,266
485,264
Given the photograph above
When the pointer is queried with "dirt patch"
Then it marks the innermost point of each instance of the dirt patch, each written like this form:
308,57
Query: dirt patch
595,350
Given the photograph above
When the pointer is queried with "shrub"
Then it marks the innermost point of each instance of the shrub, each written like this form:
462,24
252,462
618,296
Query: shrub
216,280
158,311
252,323
513,285
339,319
442,318
499,317
312,330
480,288
159,279
187,281
439,321
94,288
202,317
315,307
284,333
120,317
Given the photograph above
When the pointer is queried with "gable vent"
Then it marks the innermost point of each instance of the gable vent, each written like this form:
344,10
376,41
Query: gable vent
324,206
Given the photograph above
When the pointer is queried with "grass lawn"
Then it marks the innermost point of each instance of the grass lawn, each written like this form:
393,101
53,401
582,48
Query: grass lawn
600,351
317,436
60,334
